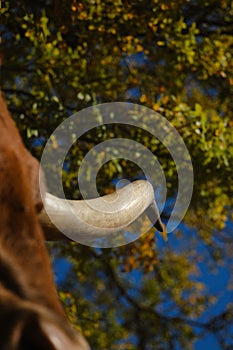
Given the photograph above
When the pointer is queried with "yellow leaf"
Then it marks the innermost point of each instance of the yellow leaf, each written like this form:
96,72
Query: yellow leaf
54,142
164,234
230,80
160,43
164,7
156,107
129,38
143,98
91,27
113,30
165,99
139,48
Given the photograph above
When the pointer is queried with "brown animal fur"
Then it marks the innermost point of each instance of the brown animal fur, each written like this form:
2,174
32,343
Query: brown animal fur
29,305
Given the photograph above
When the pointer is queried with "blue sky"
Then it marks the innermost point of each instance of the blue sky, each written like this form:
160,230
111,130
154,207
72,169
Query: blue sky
215,279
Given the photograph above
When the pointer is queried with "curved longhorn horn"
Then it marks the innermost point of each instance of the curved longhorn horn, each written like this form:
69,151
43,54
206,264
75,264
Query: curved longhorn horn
94,218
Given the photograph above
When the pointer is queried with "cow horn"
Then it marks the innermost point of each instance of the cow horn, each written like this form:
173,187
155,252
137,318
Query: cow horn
96,218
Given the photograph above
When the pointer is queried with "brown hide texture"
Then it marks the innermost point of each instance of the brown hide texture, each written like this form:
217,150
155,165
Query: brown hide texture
31,316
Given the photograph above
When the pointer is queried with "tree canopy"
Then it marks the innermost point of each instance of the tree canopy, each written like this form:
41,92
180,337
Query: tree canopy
174,57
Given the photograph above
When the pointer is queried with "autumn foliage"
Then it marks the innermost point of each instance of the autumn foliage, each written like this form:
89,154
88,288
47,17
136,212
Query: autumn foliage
174,57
